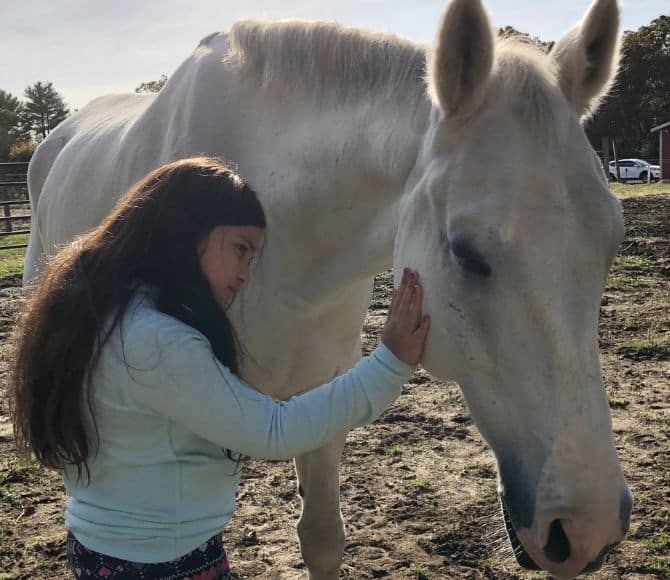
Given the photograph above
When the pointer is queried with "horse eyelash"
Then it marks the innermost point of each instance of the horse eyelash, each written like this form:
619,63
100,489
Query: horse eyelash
467,257
477,267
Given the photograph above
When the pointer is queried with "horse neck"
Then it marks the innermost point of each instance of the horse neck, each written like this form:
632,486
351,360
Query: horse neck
346,171
330,171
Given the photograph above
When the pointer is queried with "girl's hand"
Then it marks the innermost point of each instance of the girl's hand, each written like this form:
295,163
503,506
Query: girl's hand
405,331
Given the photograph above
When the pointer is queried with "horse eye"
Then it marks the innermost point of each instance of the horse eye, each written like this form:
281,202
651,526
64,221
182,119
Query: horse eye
478,267
469,258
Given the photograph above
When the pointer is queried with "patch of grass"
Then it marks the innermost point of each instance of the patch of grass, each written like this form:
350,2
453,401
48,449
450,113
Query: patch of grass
11,262
20,470
630,323
623,283
14,240
634,262
420,572
642,498
423,484
623,190
660,567
659,543
655,345
619,403
393,451
463,471
24,468
7,497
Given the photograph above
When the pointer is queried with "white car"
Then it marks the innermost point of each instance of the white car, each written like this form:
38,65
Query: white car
635,169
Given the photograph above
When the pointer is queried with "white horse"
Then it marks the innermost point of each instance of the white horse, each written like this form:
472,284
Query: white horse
481,177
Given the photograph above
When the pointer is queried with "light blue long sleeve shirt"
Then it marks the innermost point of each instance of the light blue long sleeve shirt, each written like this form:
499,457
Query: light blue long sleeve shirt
161,482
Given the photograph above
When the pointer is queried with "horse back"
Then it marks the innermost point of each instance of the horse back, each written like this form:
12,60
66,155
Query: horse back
71,175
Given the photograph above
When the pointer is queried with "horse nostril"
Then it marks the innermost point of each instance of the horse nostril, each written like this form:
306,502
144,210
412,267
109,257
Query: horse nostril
558,545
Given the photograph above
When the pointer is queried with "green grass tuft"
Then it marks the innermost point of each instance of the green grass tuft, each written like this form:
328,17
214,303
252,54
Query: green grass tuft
420,572
7,497
634,262
24,469
642,498
659,543
393,451
14,240
623,190
11,262
660,567
422,484
655,345
624,283
619,403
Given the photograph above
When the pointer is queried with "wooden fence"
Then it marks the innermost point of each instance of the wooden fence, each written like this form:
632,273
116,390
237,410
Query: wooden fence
14,194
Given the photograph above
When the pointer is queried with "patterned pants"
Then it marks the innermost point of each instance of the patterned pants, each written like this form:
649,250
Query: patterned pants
207,562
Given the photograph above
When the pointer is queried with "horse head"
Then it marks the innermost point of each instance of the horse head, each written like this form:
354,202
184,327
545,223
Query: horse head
508,219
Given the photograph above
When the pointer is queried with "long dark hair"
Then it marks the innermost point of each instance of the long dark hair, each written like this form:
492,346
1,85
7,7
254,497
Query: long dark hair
149,238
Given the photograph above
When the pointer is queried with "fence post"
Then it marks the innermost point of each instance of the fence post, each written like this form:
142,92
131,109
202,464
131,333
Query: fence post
606,157
616,162
8,213
12,175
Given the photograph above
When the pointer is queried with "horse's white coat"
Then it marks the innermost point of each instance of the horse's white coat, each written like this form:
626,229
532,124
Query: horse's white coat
337,132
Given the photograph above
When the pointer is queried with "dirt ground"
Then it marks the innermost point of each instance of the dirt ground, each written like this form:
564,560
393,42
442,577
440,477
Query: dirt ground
418,486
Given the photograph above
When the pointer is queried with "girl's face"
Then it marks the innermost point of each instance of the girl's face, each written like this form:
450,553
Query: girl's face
225,255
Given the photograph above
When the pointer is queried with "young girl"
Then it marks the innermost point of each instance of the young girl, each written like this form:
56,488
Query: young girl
126,376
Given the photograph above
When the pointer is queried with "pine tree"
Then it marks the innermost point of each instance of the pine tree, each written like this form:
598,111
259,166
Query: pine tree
10,109
44,108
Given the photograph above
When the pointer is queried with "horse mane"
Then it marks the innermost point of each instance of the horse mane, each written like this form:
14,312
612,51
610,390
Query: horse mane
328,60
333,62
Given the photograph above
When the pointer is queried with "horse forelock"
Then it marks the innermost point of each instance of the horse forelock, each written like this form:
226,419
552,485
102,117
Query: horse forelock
526,79
327,60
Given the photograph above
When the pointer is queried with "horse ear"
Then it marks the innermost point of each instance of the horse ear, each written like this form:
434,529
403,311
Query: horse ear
588,56
461,63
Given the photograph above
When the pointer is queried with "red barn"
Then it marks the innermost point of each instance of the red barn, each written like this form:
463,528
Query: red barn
664,136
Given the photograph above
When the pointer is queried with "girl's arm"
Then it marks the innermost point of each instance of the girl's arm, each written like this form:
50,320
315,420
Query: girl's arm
191,387
173,371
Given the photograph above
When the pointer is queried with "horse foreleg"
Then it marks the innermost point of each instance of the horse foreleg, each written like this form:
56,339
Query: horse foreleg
320,528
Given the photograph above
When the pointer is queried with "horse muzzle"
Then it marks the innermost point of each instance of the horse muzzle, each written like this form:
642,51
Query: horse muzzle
567,546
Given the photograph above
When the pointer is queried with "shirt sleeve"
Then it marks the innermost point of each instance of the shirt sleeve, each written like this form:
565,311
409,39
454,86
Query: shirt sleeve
175,373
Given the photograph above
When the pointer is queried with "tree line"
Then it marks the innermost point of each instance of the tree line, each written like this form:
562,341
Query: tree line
639,100
640,97
24,123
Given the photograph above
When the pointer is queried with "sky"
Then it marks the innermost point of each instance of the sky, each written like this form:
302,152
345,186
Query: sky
89,48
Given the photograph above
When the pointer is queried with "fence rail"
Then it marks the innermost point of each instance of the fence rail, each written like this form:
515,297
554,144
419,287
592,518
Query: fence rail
13,176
